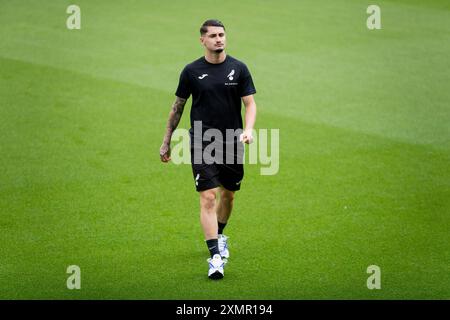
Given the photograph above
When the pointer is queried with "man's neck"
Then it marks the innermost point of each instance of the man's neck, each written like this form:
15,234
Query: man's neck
214,57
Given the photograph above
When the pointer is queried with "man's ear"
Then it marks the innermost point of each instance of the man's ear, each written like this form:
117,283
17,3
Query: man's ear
201,39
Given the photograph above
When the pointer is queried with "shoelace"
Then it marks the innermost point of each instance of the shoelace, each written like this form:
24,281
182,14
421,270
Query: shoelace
211,265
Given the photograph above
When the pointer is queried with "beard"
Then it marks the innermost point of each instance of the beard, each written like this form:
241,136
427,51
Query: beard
218,50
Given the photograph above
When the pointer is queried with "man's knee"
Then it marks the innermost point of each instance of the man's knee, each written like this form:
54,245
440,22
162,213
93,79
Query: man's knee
208,199
226,195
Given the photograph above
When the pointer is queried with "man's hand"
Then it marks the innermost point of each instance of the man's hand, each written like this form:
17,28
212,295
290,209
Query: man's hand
246,136
164,152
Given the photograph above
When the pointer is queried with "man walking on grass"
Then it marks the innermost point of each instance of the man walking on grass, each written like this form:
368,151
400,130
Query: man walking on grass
218,83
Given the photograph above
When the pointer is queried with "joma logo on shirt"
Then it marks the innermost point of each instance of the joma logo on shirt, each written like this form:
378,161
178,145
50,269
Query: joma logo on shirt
231,83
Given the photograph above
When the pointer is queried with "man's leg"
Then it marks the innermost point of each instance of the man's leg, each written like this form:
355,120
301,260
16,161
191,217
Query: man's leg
224,207
208,219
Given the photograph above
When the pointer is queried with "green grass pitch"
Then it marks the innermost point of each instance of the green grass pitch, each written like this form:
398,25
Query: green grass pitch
364,151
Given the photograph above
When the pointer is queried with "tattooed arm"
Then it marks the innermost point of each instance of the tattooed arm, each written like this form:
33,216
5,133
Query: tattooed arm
172,123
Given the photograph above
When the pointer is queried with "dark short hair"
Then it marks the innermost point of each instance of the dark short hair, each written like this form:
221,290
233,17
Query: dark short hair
210,23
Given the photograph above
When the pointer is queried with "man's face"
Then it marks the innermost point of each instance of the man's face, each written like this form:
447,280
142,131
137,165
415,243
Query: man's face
214,40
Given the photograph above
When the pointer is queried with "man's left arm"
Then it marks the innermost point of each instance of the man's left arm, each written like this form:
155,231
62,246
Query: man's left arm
250,118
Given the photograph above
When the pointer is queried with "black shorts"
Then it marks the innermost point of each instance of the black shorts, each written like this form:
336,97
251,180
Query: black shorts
209,176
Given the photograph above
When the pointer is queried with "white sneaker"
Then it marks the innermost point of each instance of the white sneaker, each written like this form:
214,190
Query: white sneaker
223,246
216,265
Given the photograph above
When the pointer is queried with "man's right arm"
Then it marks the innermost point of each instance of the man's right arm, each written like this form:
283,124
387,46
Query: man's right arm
174,118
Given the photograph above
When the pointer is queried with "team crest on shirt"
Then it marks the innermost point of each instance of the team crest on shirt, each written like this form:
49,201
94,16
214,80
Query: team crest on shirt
230,75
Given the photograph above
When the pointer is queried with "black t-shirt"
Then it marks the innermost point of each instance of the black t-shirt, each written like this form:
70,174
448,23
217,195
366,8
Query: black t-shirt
216,92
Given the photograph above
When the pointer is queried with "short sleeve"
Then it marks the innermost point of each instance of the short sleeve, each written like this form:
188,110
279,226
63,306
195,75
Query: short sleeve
184,88
246,86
